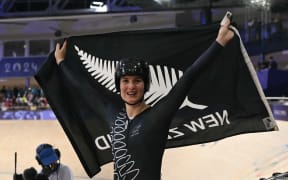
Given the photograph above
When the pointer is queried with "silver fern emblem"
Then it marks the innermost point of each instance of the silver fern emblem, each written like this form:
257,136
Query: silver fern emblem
161,82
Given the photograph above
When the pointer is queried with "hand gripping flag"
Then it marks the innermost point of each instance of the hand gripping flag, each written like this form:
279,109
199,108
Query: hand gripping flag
225,99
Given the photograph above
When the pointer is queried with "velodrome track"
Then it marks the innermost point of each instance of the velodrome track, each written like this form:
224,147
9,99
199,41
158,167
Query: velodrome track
242,157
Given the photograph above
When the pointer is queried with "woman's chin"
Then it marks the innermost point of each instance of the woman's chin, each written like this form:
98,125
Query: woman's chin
132,101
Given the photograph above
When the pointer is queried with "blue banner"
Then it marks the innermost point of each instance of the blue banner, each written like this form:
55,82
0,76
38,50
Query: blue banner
274,82
20,67
280,111
27,115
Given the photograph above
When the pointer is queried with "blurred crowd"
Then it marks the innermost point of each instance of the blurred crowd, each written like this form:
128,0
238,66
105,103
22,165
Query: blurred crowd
26,98
267,64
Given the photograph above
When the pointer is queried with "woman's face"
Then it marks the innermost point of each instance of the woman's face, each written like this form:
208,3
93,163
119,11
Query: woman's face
131,89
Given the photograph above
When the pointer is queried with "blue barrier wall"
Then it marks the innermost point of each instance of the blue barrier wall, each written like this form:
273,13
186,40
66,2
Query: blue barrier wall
27,115
274,82
280,111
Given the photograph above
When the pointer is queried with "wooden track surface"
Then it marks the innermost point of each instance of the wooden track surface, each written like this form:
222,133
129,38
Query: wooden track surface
242,157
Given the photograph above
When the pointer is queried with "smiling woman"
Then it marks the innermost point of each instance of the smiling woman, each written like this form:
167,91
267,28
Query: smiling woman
131,89
139,131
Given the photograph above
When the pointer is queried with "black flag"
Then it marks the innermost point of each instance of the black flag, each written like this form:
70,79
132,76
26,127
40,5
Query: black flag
225,99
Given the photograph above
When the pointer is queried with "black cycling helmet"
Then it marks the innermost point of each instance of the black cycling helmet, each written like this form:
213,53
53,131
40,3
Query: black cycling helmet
132,66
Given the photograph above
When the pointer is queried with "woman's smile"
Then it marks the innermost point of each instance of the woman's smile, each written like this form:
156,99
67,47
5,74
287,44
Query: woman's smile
132,89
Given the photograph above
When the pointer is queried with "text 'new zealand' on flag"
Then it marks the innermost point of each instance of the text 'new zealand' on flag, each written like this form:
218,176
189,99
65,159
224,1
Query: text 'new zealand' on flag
225,99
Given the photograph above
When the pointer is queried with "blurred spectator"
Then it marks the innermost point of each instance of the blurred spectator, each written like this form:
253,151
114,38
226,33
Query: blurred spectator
251,29
258,29
263,65
276,27
19,98
3,89
273,63
255,30
49,159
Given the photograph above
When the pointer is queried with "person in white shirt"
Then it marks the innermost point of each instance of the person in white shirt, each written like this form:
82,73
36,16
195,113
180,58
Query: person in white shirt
49,158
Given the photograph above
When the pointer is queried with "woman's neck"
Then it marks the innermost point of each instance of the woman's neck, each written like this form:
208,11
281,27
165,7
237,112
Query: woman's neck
134,110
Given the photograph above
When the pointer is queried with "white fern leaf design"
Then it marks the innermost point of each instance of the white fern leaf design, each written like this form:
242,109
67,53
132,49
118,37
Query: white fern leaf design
102,70
161,83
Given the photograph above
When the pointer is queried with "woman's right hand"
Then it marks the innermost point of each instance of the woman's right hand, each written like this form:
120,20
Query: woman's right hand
60,52
224,33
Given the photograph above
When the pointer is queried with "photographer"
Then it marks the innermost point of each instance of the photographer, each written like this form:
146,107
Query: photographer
49,158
